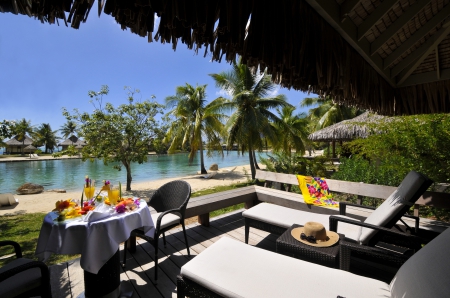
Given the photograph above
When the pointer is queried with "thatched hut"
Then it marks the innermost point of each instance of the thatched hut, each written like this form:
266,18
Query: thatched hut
392,57
17,145
346,130
72,141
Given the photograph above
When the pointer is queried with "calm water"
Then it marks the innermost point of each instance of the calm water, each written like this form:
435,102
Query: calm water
69,173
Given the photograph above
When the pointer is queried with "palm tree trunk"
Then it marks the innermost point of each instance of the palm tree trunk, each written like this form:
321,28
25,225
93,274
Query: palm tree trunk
252,163
202,161
255,161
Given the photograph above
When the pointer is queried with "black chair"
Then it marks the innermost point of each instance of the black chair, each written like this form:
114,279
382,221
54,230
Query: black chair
23,277
170,201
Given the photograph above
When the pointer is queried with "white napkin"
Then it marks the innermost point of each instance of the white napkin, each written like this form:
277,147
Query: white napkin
100,212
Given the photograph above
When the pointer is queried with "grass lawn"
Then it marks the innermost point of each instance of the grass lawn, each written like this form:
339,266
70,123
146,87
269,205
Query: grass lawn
25,228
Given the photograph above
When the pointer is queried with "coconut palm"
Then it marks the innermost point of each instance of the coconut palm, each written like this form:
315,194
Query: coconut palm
68,128
293,134
21,129
327,113
252,116
44,135
194,118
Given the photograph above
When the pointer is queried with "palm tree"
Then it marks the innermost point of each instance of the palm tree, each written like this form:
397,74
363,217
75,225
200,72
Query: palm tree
250,121
328,113
21,129
44,135
293,134
68,129
193,119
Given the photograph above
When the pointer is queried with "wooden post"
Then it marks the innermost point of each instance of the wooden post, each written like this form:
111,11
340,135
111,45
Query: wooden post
359,200
416,210
203,219
334,148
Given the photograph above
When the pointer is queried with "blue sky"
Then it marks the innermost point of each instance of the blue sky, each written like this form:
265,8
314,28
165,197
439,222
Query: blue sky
46,67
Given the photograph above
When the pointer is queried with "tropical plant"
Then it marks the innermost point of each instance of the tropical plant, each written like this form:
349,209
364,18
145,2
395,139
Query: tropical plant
119,134
21,129
6,130
293,134
194,118
327,112
68,129
44,135
251,119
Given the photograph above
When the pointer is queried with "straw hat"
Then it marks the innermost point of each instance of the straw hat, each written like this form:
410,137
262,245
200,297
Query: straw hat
314,234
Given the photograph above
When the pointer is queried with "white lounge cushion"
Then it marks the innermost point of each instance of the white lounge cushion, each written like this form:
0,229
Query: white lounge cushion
167,220
231,268
21,282
393,204
286,217
7,199
426,273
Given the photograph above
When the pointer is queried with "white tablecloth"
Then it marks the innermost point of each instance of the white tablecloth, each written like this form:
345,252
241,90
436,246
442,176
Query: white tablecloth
96,241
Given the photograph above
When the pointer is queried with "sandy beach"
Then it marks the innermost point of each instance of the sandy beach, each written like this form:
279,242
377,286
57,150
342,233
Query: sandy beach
45,201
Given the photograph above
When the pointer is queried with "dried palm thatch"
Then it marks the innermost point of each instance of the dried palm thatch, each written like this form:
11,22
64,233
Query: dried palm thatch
348,129
299,48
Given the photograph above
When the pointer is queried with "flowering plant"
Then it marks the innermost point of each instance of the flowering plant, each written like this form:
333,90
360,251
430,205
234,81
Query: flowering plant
88,182
127,205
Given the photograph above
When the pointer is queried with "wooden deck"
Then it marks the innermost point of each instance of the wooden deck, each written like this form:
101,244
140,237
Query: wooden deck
67,278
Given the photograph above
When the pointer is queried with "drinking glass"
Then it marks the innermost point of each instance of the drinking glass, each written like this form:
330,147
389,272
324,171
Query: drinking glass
113,194
89,190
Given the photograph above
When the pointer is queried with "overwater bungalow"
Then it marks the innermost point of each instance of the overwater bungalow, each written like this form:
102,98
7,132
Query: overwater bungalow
16,146
391,57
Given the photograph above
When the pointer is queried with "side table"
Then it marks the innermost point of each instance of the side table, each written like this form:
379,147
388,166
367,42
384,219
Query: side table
289,246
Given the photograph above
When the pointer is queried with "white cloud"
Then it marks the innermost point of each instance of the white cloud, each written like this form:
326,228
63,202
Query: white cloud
274,92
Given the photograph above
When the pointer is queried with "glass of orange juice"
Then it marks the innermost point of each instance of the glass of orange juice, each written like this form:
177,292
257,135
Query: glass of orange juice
89,190
113,194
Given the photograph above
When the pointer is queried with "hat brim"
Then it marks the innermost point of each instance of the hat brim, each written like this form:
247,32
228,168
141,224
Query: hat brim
333,238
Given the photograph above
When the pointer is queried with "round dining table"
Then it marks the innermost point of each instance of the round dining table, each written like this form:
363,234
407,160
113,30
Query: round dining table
97,239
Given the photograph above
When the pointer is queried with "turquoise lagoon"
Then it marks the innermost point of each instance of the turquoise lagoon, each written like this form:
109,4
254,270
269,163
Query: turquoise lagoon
69,174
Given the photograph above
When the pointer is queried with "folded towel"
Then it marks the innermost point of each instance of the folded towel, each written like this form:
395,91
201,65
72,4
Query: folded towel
315,191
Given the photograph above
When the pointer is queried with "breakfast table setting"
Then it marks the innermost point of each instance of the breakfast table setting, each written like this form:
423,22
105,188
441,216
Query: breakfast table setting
94,228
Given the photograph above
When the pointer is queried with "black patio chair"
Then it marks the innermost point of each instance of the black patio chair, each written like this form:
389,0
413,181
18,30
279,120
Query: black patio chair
23,277
170,201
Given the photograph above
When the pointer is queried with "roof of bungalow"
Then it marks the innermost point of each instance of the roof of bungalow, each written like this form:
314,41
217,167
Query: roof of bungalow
348,129
73,140
16,141
392,57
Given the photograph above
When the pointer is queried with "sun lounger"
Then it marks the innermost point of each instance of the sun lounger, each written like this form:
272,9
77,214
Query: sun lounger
229,171
7,199
230,268
209,176
34,156
277,219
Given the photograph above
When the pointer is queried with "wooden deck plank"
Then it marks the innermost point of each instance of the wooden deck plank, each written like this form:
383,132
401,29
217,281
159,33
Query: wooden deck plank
60,281
76,276
139,271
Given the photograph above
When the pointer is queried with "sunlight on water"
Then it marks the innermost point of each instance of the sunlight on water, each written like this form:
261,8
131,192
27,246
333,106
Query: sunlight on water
69,174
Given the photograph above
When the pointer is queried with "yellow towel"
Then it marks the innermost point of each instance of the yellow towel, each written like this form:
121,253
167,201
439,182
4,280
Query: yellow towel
315,191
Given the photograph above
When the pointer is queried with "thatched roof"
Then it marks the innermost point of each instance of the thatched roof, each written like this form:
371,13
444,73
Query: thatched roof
15,141
73,140
30,147
346,130
392,57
